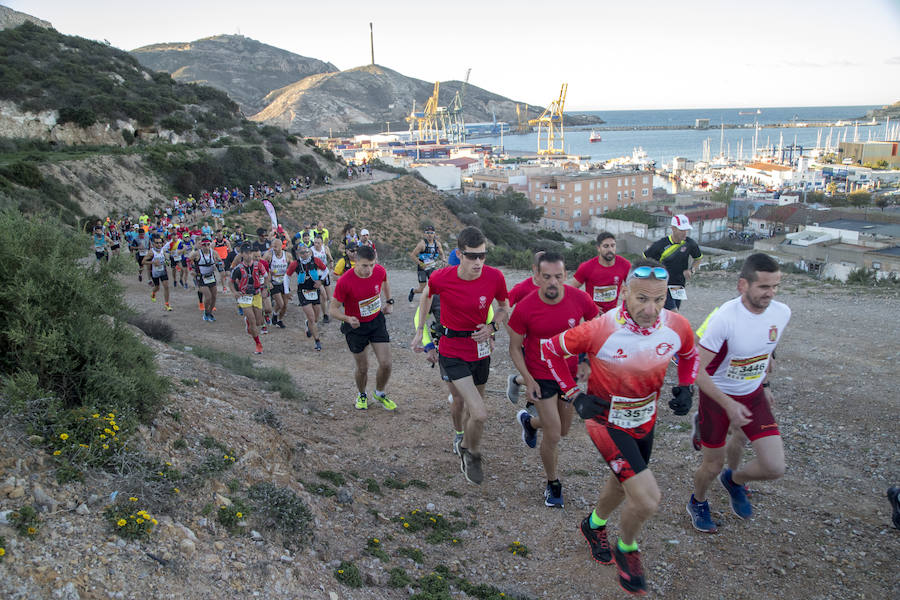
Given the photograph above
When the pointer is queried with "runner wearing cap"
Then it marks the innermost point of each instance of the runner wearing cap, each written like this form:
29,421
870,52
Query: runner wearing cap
678,253
207,261
248,282
365,240
428,256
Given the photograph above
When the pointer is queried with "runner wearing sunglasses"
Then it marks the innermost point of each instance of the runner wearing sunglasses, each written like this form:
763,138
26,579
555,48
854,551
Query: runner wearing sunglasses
629,350
678,253
467,292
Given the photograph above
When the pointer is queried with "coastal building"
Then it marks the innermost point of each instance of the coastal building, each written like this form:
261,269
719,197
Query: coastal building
861,153
570,200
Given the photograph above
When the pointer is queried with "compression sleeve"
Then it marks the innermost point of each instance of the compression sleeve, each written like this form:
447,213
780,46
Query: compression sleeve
555,352
688,366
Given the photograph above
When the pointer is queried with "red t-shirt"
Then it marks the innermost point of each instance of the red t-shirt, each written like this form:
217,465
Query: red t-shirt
520,290
603,283
539,321
361,297
464,305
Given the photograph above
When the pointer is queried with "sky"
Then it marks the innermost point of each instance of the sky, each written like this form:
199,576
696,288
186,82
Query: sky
613,55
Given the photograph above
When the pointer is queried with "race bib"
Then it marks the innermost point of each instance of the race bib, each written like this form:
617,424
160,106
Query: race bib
210,278
311,294
429,263
677,292
630,413
248,300
484,349
278,278
370,306
747,369
607,293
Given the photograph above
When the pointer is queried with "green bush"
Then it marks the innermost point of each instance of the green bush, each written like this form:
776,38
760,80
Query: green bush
57,353
283,511
23,173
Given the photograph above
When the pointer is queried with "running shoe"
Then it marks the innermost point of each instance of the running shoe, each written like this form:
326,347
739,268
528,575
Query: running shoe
318,345
470,465
326,318
362,403
700,516
596,539
140,277
280,323
695,431
553,495
168,307
205,317
631,572
184,283
512,389
457,440
739,503
265,330
529,433
152,296
412,294
212,317
240,311
200,306
893,495
308,332
258,349
385,401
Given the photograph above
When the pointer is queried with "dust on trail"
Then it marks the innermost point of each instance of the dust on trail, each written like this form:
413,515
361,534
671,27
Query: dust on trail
823,531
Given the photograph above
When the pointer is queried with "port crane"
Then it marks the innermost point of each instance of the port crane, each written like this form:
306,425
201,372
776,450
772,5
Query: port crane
429,121
552,120
456,132
522,125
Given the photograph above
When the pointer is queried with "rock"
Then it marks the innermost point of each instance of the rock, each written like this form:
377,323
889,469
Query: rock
82,509
67,592
219,546
344,496
285,558
16,492
429,507
332,596
185,532
221,500
256,536
43,499
93,499
4,517
187,547
36,439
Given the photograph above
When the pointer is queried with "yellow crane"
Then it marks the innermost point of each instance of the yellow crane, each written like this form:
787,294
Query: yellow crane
552,120
522,125
427,122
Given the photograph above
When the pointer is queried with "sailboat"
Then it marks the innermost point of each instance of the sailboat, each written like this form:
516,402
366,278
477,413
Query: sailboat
595,137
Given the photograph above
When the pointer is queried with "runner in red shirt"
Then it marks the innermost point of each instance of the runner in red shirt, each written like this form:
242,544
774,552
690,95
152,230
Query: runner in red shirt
553,309
464,352
360,292
247,285
629,349
603,276
514,381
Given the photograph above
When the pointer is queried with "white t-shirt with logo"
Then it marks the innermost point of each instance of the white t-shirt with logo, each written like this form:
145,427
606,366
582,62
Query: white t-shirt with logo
743,342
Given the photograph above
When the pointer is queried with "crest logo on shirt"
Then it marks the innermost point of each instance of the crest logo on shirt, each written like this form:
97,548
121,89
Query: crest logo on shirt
683,249
616,465
616,280
377,288
620,354
482,301
663,348
571,323
773,333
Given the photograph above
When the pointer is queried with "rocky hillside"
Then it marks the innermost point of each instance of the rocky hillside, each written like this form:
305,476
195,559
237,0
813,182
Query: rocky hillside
366,98
10,18
888,110
244,68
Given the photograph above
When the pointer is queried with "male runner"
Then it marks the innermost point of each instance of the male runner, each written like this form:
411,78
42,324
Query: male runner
360,291
464,354
206,261
321,252
141,249
602,277
735,362
278,261
514,380
629,350
115,239
101,244
156,261
310,273
346,262
553,309
426,255
675,252
222,248
245,278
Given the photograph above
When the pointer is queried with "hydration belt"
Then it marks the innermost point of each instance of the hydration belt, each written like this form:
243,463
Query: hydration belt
454,333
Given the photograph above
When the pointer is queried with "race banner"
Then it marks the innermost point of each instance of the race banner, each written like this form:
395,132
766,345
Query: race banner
271,210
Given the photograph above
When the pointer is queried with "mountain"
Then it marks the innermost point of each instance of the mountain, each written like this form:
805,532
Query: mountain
10,18
366,99
887,111
244,68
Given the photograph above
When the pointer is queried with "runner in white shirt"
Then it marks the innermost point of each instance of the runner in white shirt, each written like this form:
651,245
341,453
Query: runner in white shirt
278,265
321,251
156,259
736,357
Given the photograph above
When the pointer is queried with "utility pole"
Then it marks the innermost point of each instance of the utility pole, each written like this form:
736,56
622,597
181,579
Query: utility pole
372,43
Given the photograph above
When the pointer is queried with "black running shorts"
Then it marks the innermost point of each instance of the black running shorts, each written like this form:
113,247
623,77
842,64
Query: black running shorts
626,455
163,277
457,368
549,388
370,332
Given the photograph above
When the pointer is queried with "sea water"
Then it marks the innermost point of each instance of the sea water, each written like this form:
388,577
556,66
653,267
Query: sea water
661,145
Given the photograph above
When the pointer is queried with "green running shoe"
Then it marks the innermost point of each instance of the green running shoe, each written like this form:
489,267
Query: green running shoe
362,403
386,402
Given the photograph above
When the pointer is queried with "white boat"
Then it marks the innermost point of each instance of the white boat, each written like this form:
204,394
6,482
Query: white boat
595,137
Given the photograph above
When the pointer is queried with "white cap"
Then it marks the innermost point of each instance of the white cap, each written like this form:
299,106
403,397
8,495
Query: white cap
364,232
681,222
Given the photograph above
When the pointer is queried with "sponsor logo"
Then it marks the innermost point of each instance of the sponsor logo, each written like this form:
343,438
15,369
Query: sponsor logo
482,301
663,348
773,333
617,464
620,354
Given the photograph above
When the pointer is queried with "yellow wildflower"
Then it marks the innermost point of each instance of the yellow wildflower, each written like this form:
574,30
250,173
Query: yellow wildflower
406,524
106,446
168,464
177,490
116,427
139,520
112,415
84,445
32,531
64,436
375,541
56,453
96,415
154,521
107,430
102,437
133,499
340,570
2,551
239,515
121,522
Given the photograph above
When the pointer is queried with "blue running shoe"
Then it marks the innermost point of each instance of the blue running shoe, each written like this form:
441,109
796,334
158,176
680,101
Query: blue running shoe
739,503
240,311
553,495
699,512
529,433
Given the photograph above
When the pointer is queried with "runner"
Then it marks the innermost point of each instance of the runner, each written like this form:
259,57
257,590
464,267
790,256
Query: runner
141,249
206,261
360,293
365,240
514,381
310,272
736,358
101,244
553,309
263,274
629,350
179,249
247,285
321,252
464,354
115,239
428,256
675,252
346,262
156,261
277,259
223,248
602,277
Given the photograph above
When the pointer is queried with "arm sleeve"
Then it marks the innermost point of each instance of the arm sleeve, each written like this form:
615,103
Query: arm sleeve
556,349
688,357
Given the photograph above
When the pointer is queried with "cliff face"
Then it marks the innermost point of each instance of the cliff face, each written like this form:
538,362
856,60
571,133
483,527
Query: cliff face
10,18
245,69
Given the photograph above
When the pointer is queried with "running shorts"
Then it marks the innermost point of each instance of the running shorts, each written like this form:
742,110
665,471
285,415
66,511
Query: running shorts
457,368
100,254
369,332
626,455
714,421
115,246
164,276
140,259
671,303
302,300
549,388
255,303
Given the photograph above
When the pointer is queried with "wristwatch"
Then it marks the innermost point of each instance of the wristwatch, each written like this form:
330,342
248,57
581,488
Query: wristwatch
390,300
494,326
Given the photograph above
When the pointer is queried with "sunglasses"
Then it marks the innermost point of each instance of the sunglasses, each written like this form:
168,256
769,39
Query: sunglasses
475,255
645,272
